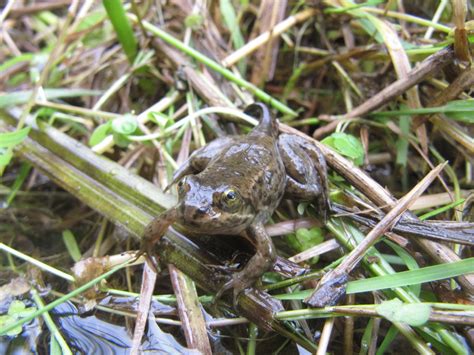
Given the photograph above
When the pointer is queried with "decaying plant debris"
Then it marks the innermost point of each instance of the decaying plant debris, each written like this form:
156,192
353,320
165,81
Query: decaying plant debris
384,87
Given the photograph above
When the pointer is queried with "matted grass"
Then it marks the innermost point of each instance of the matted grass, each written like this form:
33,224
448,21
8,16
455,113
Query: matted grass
388,89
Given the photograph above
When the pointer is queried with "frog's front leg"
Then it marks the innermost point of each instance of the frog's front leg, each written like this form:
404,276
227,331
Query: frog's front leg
154,231
306,172
200,158
256,266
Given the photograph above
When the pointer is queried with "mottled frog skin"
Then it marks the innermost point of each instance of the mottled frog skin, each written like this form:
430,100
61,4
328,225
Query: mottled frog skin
233,185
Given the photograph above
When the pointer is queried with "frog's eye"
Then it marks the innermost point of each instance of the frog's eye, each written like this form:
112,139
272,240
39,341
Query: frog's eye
230,197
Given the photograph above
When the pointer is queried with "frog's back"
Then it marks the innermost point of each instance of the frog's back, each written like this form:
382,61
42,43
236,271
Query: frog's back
253,164
267,123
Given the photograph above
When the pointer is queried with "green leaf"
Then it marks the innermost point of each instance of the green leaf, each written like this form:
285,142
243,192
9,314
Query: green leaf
459,106
414,314
6,320
71,245
121,140
194,21
160,119
25,312
5,158
99,133
15,307
125,125
346,145
54,348
26,57
16,310
301,208
11,139
304,239
89,21
466,117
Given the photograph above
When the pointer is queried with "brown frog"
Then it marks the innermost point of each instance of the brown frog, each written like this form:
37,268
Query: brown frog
233,185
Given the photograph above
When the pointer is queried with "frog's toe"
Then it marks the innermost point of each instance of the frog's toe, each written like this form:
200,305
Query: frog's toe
237,293
222,290
237,285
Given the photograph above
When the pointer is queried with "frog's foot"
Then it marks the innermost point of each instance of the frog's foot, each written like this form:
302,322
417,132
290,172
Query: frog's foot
256,266
150,259
239,283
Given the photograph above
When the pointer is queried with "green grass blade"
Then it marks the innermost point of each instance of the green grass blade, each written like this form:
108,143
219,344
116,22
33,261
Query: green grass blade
60,300
262,95
413,277
21,97
387,340
460,110
55,333
26,57
400,279
122,27
230,20
402,141
35,262
22,175
71,245
11,139
442,209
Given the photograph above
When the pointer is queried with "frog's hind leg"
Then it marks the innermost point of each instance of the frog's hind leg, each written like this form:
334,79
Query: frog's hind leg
200,158
258,264
306,172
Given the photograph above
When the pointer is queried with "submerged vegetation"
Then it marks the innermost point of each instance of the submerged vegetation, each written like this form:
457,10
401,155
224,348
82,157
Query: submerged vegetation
100,102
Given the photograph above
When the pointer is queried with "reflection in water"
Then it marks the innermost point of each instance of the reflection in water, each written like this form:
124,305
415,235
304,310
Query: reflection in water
90,335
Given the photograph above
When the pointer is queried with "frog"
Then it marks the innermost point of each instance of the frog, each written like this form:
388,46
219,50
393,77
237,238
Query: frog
232,186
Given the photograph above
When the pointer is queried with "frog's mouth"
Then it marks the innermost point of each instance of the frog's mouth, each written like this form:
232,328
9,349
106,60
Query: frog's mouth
197,216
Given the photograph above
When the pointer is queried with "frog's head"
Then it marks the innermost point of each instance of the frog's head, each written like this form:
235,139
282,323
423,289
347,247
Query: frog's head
213,208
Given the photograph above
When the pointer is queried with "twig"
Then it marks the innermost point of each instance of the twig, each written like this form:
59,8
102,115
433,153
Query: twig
377,194
322,296
38,7
325,336
192,320
146,294
226,73
254,44
430,65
